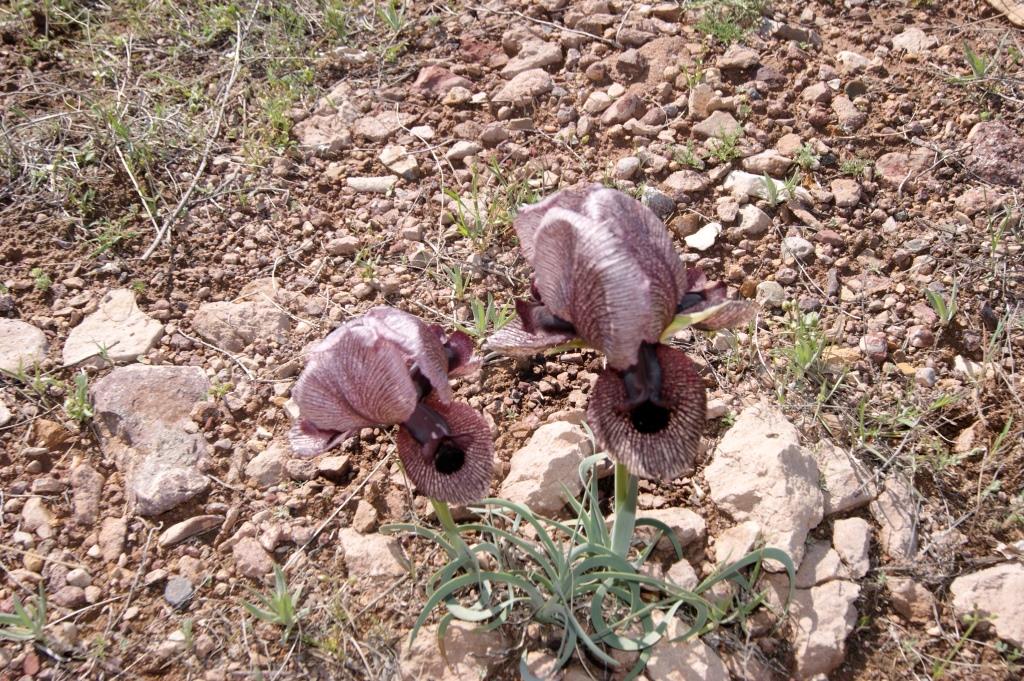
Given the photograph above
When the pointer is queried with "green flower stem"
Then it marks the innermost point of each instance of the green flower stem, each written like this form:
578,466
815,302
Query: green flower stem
444,515
625,510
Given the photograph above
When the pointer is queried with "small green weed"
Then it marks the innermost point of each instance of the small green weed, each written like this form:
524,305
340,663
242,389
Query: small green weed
27,622
488,317
687,156
854,167
807,158
40,279
726,147
946,309
76,404
729,20
280,606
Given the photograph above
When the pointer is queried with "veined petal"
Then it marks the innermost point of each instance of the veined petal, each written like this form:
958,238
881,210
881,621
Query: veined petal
419,343
657,439
456,468
361,381
512,339
529,218
308,440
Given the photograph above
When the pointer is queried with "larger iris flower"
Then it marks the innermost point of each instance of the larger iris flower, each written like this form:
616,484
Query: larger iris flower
388,367
605,273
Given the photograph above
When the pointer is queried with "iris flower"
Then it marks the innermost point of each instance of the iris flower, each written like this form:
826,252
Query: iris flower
605,273
388,367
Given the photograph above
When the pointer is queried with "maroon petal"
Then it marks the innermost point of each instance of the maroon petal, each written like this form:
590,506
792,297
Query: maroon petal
456,468
308,440
422,348
360,381
653,441
512,339
529,219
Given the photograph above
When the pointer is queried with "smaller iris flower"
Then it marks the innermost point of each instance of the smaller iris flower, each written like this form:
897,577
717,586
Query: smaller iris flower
606,275
388,367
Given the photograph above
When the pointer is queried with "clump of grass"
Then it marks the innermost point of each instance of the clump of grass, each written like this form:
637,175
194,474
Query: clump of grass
40,279
76,404
280,607
28,621
806,157
725,148
729,20
854,167
945,308
488,317
688,156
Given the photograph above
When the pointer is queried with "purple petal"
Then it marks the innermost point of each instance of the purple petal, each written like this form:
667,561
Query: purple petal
512,339
529,219
360,381
652,441
605,263
458,468
417,340
308,440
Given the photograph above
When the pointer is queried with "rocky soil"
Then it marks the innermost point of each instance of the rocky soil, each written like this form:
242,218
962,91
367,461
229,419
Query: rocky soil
855,167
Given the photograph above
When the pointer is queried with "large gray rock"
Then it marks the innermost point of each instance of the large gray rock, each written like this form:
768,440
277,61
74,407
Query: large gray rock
254,314
759,472
996,592
143,413
21,345
117,330
547,467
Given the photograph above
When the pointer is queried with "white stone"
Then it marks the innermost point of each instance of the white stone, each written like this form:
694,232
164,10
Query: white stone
372,185
851,538
996,592
822,619
759,472
910,599
821,564
254,314
395,158
848,484
118,329
736,542
472,653
796,248
895,511
462,149
267,467
704,238
769,161
754,222
543,471
21,346
745,186
688,526
371,555
913,39
683,575
689,660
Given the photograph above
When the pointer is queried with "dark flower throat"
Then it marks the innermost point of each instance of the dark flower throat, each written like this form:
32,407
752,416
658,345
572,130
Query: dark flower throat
647,411
431,431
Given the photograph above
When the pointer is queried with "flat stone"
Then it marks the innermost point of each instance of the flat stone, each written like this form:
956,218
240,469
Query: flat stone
684,185
745,186
689,527
382,126
334,468
738,57
754,222
851,62
372,184
534,54
395,158
759,472
849,116
913,39
734,543
622,109
719,124
822,619
232,326
251,559
851,538
268,467
543,471
770,294
597,102
796,248
70,597
910,599
996,153
847,192
118,330
435,81
821,564
705,237
472,653
689,660
769,161
462,149
682,574
22,346
369,556
36,517
143,414
626,168
86,494
177,591
113,532
996,592
848,484
524,88
186,529
895,511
